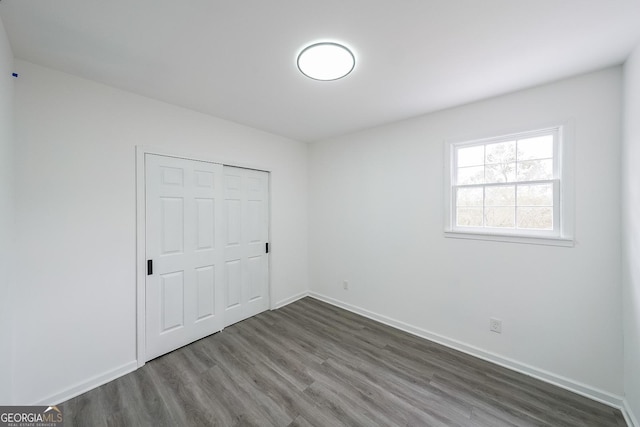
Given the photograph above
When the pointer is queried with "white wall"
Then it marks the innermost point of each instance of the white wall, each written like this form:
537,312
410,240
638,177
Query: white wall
6,214
376,219
631,234
75,185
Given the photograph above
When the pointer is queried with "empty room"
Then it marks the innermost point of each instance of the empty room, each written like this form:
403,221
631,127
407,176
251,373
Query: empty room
296,213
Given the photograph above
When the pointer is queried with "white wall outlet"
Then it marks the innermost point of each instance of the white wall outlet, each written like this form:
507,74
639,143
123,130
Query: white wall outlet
495,325
345,285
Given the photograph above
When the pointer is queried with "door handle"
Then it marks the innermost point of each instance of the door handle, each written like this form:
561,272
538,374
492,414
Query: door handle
149,267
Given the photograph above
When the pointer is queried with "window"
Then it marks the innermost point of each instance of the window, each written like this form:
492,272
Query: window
509,188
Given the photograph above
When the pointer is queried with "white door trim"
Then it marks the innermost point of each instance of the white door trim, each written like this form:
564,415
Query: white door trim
141,262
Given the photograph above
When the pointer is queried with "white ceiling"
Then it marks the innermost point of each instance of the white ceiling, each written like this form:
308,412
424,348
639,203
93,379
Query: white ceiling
235,59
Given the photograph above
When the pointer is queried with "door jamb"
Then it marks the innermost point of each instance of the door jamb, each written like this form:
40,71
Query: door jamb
141,215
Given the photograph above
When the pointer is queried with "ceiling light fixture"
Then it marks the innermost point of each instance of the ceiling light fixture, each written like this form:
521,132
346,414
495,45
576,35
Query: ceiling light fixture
326,61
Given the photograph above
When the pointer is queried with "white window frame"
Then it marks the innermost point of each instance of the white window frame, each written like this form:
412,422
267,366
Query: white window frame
562,235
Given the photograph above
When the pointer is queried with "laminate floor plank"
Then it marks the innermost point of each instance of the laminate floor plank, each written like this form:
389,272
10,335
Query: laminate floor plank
399,405
314,364
564,411
391,393
481,418
300,422
498,410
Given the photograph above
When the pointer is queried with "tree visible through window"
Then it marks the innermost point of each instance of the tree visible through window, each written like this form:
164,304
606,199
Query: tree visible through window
507,184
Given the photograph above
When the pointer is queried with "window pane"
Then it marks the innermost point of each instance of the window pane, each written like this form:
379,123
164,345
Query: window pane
532,170
471,156
538,218
503,185
505,172
469,217
535,195
500,217
540,147
502,152
469,197
503,195
471,175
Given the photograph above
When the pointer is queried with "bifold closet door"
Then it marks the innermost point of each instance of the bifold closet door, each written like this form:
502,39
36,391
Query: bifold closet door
246,218
184,249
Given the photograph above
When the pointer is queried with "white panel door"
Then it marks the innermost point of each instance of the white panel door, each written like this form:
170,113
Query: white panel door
184,301
246,266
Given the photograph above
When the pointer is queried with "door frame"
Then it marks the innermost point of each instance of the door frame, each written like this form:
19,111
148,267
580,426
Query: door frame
141,226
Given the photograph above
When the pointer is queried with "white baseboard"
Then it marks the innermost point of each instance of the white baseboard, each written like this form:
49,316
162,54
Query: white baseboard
91,383
629,416
551,378
548,377
111,375
289,300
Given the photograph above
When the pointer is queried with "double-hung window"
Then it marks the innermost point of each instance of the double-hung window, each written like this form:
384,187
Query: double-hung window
509,188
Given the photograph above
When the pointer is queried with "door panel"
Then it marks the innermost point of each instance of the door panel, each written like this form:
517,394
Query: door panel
172,301
172,232
255,268
184,295
206,283
246,229
234,284
205,224
234,219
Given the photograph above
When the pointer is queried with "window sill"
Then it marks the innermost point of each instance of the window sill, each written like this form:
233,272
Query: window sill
529,240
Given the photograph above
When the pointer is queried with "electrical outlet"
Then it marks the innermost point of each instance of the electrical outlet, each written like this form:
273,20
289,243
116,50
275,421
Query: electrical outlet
495,325
345,285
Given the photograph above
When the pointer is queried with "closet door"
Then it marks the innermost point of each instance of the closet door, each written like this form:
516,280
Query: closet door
184,249
246,266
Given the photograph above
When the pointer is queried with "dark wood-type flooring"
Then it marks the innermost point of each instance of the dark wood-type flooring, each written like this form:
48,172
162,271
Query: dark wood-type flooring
312,364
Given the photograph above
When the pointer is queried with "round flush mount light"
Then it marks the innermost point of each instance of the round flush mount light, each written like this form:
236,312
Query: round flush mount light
326,61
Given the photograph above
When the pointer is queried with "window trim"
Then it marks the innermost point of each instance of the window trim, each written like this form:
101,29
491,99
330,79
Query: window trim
562,180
